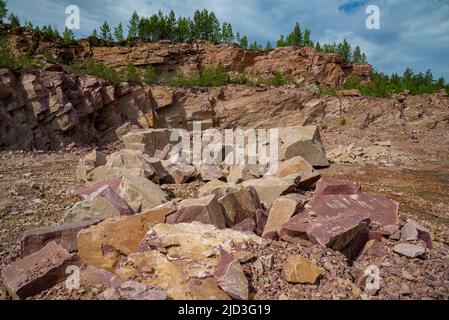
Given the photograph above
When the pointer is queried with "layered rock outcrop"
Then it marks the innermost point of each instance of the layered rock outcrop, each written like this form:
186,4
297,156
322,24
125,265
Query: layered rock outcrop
304,65
52,108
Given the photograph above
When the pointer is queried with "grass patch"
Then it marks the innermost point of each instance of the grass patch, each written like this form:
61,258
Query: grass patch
280,80
209,77
96,69
14,62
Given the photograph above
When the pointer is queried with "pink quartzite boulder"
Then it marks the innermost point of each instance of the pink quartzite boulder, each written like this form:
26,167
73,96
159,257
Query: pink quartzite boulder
334,232
84,193
37,272
64,235
206,210
230,277
382,210
332,186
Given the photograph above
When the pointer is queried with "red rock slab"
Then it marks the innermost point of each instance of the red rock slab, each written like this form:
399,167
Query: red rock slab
261,221
382,210
333,186
334,232
282,210
205,210
230,277
247,225
337,232
37,272
118,202
64,235
84,193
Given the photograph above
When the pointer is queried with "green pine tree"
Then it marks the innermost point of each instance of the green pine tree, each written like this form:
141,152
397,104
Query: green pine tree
28,24
269,46
307,40
3,9
14,22
118,33
67,36
150,76
131,73
133,26
318,47
171,26
254,46
357,55
244,42
281,42
364,60
295,38
183,30
344,50
105,32
238,38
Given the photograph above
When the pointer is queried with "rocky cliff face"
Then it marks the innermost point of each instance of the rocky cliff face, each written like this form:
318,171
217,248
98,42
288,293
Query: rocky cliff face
51,108
304,65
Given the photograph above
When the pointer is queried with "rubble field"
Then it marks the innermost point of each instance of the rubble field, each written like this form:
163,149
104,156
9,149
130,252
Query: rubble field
141,227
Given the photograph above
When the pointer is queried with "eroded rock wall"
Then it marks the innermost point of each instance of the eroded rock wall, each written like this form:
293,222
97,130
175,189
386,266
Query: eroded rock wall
51,108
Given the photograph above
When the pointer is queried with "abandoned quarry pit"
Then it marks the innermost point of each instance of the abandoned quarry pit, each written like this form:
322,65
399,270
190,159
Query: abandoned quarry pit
357,209
36,189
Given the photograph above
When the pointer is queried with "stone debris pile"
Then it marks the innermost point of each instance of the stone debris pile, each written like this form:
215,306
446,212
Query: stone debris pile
379,154
133,240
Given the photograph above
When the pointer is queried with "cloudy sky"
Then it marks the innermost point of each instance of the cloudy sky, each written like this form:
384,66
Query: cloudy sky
414,33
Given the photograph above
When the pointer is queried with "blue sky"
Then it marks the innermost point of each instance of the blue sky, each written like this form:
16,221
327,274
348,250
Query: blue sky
413,33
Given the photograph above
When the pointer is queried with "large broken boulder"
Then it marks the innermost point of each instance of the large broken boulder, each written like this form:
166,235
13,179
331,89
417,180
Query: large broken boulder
102,245
206,210
240,173
217,187
230,277
298,269
64,235
382,210
183,258
129,163
181,173
195,241
85,192
282,210
88,163
209,172
240,205
270,188
141,194
328,186
304,142
37,272
180,280
102,204
147,141
332,231
299,166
